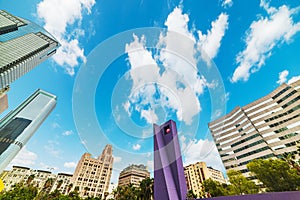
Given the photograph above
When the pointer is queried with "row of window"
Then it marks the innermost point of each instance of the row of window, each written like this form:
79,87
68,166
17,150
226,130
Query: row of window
283,114
287,96
281,92
283,121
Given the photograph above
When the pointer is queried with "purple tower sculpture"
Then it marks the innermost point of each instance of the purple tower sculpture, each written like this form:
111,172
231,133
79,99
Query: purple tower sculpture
169,180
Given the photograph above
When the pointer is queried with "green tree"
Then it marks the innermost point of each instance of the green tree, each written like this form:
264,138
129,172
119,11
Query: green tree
20,192
30,179
126,192
239,184
146,189
290,158
276,175
191,195
214,188
59,183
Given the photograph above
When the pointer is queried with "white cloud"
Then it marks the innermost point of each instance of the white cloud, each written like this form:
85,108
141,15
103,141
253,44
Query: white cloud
203,150
210,43
24,158
136,147
52,148
67,132
168,78
70,164
117,159
282,76
294,79
263,35
58,16
227,3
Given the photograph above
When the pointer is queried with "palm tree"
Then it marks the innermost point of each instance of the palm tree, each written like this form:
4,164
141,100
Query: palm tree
69,187
30,179
59,183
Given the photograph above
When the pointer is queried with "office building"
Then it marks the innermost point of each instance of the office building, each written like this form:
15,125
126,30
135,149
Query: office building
92,175
196,174
62,183
37,178
23,46
133,174
265,128
18,174
19,125
168,167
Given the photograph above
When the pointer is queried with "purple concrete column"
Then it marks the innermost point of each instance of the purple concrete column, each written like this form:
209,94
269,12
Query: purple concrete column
169,180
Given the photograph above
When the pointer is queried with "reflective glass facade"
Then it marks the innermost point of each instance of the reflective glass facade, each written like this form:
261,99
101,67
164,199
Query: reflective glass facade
23,46
19,125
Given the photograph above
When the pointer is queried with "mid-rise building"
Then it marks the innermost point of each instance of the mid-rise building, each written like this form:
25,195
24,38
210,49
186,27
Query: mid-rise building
62,183
196,174
92,175
42,179
18,174
133,174
265,128
19,125
23,46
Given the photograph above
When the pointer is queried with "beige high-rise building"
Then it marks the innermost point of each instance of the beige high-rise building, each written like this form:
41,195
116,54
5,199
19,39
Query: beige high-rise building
265,128
133,174
196,173
92,176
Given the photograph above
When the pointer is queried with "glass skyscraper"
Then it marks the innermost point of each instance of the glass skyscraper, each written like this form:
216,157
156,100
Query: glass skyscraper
23,45
19,125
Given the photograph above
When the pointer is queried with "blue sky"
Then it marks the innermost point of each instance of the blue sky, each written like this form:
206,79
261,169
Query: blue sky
123,66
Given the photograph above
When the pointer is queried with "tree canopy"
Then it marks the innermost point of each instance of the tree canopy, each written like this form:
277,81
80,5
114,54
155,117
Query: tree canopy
275,174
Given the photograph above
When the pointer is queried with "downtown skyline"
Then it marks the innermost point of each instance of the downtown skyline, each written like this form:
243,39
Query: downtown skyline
253,45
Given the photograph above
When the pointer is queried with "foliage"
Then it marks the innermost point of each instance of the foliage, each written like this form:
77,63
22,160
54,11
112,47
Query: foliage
20,192
276,175
239,184
191,195
144,192
146,189
214,188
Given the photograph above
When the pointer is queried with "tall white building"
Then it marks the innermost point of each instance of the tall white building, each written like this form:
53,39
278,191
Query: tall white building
265,128
19,125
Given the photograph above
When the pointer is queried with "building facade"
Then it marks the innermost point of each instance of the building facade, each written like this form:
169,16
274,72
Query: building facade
265,128
92,176
23,46
19,125
196,174
168,167
133,174
62,183
18,174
